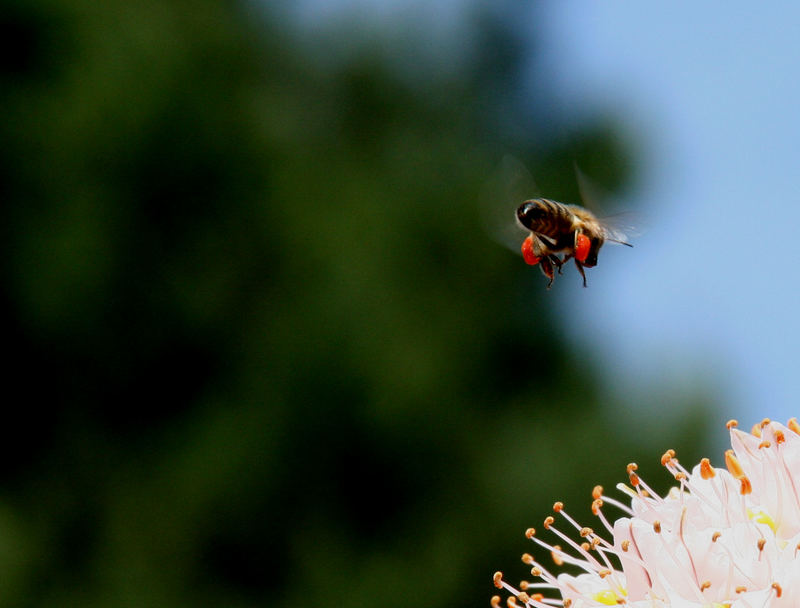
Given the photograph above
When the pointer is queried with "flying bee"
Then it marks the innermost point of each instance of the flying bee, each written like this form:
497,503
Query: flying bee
557,228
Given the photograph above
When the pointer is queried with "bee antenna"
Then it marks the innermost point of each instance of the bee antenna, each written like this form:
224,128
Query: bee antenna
620,242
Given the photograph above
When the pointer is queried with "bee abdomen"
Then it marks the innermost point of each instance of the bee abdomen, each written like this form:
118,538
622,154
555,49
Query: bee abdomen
545,217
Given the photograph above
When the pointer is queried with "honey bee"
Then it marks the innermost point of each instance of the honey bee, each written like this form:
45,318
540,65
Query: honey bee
557,228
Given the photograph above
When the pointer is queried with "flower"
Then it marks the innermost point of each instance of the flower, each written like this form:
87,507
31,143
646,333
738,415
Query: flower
722,538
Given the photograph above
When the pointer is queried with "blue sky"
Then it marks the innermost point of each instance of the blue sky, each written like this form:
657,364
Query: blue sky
711,292
708,95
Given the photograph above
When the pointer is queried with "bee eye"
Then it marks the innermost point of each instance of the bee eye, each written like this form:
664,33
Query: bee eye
527,251
582,246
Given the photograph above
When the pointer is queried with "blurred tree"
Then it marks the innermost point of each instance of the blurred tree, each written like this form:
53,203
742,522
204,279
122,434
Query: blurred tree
259,347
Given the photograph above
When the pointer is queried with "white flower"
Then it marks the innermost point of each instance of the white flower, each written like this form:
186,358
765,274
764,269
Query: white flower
723,538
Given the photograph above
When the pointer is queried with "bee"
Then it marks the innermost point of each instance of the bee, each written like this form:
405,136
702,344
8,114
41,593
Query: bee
557,228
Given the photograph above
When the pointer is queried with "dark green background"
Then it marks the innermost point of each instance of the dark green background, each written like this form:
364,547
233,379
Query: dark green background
260,350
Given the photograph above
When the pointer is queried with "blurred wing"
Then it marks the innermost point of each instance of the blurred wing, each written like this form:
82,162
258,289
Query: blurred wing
618,227
506,189
622,227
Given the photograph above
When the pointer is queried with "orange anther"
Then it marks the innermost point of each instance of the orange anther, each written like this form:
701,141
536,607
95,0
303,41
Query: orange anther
706,470
715,536
625,544
657,527
778,590
523,597
760,544
558,507
747,487
756,430
732,424
705,585
536,571
495,601
530,532
733,464
765,422
597,492
511,601
604,573
527,559
632,467
780,437
586,532
498,579
596,506
740,589
634,478
548,521
794,425
557,558
764,444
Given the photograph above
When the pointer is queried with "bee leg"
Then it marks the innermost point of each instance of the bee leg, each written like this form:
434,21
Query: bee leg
564,261
556,262
580,269
547,268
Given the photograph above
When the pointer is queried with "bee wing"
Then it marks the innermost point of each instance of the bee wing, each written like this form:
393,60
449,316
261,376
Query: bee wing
617,227
622,227
509,185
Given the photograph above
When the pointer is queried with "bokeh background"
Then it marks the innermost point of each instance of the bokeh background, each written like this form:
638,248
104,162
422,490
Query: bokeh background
261,350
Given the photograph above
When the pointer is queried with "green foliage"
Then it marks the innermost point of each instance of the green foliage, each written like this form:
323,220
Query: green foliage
262,352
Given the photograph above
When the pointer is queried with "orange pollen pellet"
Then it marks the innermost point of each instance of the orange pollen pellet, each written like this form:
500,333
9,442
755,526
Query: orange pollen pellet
527,559
705,585
548,521
597,504
706,470
740,589
530,532
780,437
756,431
764,444
495,602
794,425
558,507
715,536
732,424
625,544
778,590
761,543
498,579
597,492
747,487
657,527
733,464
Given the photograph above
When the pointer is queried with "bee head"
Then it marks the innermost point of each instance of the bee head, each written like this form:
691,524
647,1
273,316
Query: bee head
529,213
